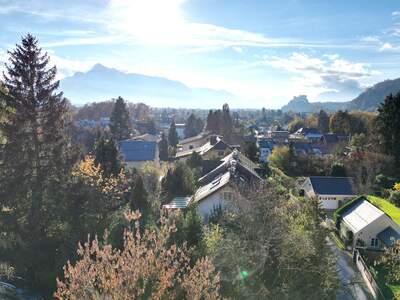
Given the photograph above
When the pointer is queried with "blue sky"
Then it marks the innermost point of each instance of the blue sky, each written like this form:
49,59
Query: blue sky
265,52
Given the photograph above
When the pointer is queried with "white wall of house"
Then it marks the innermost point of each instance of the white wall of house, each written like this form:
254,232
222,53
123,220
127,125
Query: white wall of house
220,198
372,230
332,202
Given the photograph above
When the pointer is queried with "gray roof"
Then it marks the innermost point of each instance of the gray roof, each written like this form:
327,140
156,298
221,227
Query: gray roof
325,185
237,163
178,203
132,150
389,236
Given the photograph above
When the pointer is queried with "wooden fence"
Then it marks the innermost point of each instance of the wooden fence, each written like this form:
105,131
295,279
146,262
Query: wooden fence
368,277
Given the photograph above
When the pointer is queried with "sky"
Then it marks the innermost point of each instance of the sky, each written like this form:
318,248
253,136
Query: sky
262,51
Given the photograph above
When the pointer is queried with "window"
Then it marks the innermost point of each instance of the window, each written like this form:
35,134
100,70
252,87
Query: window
374,242
220,153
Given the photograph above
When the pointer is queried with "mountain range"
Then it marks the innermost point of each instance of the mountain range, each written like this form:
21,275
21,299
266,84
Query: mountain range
102,83
369,100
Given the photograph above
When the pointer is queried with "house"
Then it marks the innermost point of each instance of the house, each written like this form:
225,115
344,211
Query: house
363,224
214,149
219,187
278,136
302,148
235,160
311,134
180,130
194,142
265,147
136,153
332,192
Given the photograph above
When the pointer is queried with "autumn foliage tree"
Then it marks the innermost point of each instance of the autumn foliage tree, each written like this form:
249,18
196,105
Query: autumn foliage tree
147,267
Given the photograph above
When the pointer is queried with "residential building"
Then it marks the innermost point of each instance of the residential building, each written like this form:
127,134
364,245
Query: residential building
363,224
136,153
194,142
214,149
265,148
332,192
180,130
219,187
311,134
278,136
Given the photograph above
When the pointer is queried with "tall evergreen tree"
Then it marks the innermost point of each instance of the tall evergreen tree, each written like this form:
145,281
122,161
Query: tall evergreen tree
323,121
194,126
163,148
388,122
107,156
173,135
120,122
226,121
35,159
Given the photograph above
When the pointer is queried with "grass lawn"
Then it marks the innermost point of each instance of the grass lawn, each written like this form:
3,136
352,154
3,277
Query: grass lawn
387,207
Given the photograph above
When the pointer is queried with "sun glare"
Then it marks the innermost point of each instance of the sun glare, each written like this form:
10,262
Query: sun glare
148,20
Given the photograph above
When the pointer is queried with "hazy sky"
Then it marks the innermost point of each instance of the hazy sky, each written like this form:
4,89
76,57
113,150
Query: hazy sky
265,51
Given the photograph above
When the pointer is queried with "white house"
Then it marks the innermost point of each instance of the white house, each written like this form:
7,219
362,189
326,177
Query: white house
332,192
364,224
219,186
265,147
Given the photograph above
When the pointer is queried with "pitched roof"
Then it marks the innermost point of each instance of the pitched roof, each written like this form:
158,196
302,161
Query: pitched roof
219,145
389,236
361,215
210,188
326,185
178,202
200,136
237,163
306,131
133,150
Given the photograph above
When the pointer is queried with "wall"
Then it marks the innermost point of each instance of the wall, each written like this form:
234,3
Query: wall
372,230
206,206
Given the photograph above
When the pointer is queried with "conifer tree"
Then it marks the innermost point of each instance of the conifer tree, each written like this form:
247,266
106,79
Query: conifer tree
323,121
120,122
173,135
107,156
35,158
388,122
163,148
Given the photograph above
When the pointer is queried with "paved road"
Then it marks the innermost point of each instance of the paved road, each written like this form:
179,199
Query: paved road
353,286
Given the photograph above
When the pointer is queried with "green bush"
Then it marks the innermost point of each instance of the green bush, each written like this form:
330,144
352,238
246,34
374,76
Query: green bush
395,198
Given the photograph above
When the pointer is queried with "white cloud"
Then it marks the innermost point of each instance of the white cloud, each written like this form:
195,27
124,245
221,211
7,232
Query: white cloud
238,49
388,47
396,13
67,66
330,73
370,39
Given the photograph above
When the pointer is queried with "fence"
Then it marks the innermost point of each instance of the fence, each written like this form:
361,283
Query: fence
367,276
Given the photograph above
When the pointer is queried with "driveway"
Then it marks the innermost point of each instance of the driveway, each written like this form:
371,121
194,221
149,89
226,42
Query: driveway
352,283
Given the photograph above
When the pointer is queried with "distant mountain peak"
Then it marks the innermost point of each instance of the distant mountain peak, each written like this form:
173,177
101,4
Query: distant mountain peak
102,83
368,100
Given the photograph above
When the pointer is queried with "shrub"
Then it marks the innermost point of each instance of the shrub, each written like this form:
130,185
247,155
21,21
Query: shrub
395,198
